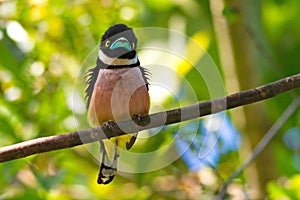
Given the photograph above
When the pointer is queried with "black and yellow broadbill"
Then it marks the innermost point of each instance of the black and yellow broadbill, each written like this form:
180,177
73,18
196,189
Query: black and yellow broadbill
117,89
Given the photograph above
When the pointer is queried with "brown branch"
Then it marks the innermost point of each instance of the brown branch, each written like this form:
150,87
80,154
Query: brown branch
72,139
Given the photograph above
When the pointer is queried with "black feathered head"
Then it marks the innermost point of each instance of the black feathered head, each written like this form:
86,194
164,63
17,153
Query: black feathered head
119,41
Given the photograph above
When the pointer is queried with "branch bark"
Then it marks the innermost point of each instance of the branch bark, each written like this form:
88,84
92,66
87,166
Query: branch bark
72,139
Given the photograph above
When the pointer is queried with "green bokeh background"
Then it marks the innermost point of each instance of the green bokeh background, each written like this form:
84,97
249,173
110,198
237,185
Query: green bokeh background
42,47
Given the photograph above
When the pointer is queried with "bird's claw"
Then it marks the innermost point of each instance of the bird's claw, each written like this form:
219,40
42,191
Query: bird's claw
109,126
141,120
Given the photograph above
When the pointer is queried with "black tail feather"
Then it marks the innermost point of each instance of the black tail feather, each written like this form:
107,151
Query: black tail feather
106,174
108,168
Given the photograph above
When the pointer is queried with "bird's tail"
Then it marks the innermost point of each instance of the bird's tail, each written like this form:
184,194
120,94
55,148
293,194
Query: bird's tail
108,167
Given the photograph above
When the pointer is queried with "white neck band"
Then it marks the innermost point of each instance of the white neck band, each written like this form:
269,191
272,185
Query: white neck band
116,61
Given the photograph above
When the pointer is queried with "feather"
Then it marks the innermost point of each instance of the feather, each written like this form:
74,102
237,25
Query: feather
145,74
108,167
132,140
91,78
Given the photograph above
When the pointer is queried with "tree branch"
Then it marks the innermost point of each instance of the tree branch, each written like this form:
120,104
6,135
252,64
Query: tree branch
72,139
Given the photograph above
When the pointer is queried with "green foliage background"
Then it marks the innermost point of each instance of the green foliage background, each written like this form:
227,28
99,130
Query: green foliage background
38,74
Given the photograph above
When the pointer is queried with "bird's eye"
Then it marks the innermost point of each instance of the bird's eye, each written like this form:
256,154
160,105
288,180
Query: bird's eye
107,43
133,45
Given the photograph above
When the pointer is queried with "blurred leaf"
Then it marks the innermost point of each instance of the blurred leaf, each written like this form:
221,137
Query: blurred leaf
49,182
11,56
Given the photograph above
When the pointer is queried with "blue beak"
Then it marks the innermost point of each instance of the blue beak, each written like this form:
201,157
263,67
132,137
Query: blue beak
119,43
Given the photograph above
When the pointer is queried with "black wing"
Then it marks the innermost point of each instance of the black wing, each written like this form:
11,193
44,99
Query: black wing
91,78
145,74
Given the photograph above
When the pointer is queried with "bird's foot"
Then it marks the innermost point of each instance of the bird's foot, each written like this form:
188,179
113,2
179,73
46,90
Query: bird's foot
141,120
109,126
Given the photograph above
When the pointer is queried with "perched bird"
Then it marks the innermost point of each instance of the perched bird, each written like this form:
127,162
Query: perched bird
117,89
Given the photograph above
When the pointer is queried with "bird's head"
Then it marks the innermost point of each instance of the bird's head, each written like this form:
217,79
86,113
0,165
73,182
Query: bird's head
119,42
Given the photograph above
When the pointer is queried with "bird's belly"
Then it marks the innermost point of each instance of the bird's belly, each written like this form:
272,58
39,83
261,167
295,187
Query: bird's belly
118,94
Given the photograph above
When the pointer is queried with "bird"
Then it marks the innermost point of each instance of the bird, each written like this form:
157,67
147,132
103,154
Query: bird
117,88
